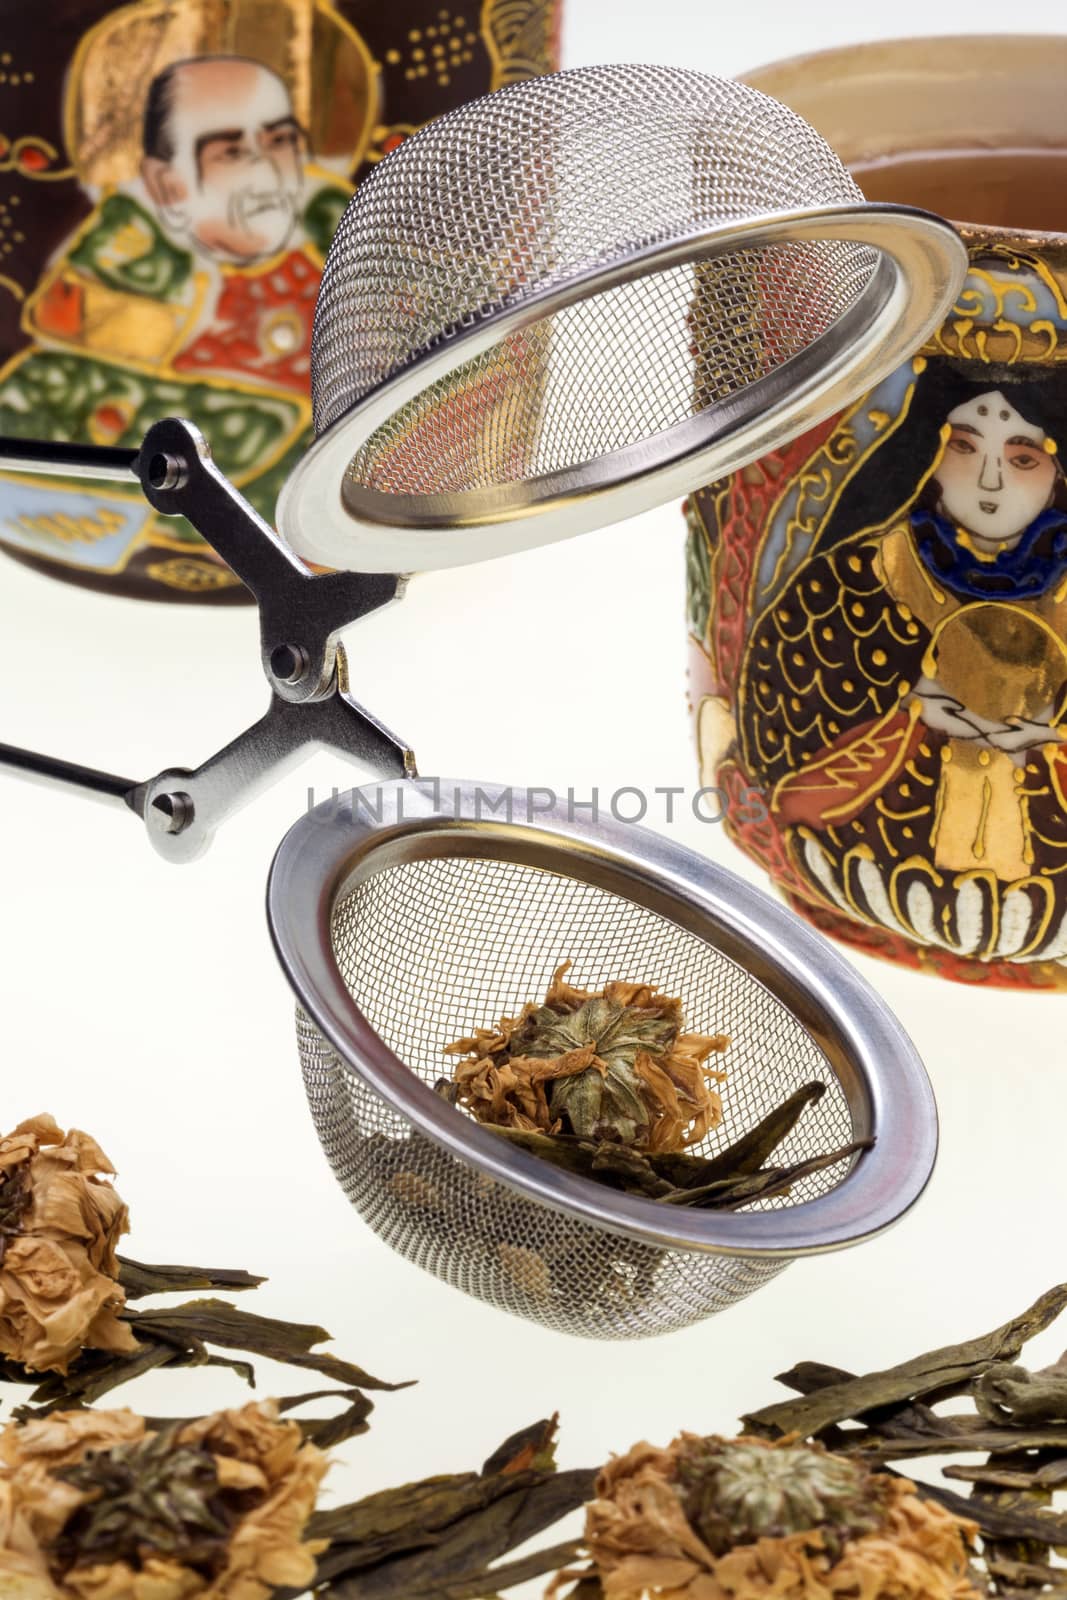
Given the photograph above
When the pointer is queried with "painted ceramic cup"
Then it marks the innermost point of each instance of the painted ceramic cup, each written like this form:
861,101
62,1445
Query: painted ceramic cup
878,613
171,173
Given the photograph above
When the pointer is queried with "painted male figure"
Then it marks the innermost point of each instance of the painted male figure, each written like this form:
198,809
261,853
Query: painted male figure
190,290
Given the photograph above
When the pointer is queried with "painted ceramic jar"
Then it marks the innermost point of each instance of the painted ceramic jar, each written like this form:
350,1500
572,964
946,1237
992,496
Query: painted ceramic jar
878,613
171,173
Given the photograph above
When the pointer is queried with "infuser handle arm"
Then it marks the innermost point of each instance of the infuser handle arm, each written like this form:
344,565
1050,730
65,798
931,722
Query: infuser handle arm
301,612
183,808
301,616
50,770
48,458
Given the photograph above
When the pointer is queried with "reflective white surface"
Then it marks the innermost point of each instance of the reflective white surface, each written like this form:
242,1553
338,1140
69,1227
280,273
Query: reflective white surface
142,1002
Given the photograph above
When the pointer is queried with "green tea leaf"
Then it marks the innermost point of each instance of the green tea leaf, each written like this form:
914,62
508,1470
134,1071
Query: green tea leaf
950,1368
139,1280
217,1322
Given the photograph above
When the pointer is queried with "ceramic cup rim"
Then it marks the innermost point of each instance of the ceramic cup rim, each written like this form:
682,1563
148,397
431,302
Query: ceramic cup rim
1005,60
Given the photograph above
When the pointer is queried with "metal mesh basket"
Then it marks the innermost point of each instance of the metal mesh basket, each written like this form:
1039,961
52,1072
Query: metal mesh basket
582,279
443,924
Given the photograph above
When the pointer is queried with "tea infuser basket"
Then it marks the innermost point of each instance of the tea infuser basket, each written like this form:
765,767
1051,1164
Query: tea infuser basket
586,294
406,915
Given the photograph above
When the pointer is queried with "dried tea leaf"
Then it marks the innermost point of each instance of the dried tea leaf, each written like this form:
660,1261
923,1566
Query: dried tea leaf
510,1575
948,1369
808,1376
635,1172
963,1434
139,1280
628,1170
746,1154
180,1336
92,1376
907,1431
743,1189
996,1521
217,1322
408,1517
328,1432
1051,1580
1006,1392
604,1160
437,1539
533,1447
459,1564
1052,1476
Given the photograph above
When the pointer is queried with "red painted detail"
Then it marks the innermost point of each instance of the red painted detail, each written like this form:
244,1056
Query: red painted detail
60,310
239,338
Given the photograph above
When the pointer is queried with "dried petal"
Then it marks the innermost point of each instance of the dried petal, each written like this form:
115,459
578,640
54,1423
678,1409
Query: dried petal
60,1222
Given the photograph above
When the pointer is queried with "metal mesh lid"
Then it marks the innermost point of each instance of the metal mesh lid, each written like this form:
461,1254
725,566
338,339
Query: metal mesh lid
529,188
549,302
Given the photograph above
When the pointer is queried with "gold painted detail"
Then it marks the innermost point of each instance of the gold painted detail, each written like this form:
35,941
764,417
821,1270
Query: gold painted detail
520,37
855,775
32,157
333,78
996,320
67,528
115,324
192,577
438,49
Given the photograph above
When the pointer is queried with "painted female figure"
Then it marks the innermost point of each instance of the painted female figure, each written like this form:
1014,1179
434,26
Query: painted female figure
903,698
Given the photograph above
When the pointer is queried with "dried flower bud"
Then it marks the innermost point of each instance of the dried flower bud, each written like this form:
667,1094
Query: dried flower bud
735,1492
743,1519
96,1506
60,1221
611,1065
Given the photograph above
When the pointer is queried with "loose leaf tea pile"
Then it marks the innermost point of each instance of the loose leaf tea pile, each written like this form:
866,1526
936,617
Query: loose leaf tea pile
749,1519
66,1326
111,1505
108,1505
605,1084
101,1505
1018,1421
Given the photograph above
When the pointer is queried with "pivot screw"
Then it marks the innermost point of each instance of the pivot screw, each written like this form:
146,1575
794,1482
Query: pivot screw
171,813
167,471
289,663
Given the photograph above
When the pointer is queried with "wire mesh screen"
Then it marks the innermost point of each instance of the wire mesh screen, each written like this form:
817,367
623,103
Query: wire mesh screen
521,194
431,950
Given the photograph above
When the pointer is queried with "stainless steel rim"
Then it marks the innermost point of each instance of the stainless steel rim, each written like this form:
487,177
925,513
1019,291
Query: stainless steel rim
329,520
327,852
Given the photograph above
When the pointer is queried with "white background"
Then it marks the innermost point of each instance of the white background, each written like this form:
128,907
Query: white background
143,1003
